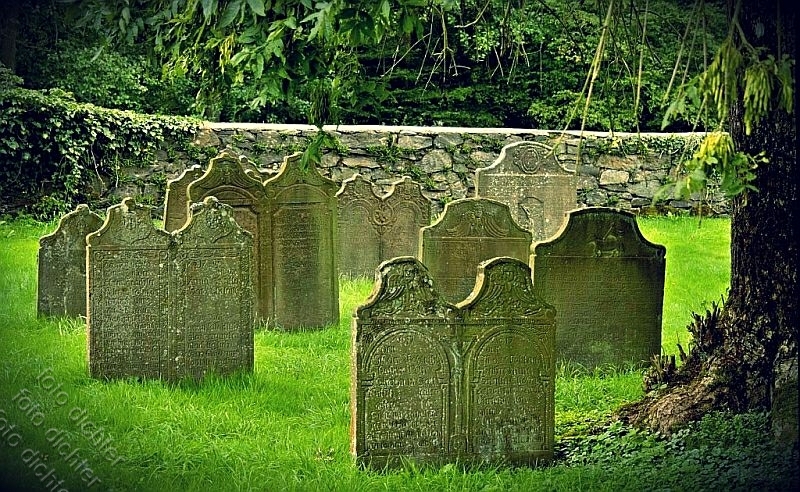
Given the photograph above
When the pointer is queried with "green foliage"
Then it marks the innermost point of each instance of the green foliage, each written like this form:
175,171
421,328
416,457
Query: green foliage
734,450
715,162
474,63
55,152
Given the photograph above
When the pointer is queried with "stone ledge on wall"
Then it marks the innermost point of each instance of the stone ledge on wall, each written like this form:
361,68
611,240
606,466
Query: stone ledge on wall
621,170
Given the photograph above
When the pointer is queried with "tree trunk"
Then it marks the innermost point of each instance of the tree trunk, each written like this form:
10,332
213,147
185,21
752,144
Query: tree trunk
9,28
746,355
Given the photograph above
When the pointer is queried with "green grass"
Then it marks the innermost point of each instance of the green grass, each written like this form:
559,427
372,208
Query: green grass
698,270
286,425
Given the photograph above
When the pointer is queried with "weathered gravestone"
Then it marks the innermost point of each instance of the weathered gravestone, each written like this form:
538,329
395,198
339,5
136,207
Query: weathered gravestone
434,382
61,286
176,202
302,241
227,180
529,179
468,232
373,228
169,306
606,282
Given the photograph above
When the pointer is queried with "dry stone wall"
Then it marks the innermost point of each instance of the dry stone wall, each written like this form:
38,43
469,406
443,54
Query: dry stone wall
618,170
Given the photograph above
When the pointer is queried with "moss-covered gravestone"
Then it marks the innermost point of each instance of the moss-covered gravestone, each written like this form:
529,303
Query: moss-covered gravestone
128,283
169,306
214,307
227,180
61,282
537,188
176,202
434,382
606,282
469,231
302,239
374,228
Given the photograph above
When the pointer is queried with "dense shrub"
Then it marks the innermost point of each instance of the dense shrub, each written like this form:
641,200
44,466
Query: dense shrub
56,152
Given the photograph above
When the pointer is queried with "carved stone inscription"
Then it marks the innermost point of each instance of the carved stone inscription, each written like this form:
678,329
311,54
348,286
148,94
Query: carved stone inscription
61,286
434,382
227,180
373,229
304,286
215,301
407,395
169,306
128,295
468,232
176,202
607,284
510,372
538,190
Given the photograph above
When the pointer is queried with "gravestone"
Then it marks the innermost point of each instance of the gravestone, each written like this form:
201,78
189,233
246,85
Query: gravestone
61,282
302,241
128,283
215,300
176,202
375,228
169,306
606,282
434,382
469,231
529,179
227,180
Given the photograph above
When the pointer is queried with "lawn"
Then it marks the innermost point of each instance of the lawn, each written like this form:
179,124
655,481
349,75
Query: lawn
286,425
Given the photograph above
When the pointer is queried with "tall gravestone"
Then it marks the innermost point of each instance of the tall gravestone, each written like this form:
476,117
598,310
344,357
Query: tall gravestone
128,286
176,202
468,232
214,307
61,281
434,382
169,306
529,179
375,228
227,180
302,240
606,282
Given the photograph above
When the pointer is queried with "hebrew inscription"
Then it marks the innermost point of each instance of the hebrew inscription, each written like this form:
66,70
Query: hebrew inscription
530,180
373,228
607,284
468,232
61,281
435,382
169,306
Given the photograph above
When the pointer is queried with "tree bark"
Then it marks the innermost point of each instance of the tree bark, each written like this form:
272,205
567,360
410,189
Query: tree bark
749,360
9,28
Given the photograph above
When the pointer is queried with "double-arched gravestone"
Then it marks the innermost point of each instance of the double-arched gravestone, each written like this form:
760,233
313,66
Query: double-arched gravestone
292,218
435,382
374,228
169,305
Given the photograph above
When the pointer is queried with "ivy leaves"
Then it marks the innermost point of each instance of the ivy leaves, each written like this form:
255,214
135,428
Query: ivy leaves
51,145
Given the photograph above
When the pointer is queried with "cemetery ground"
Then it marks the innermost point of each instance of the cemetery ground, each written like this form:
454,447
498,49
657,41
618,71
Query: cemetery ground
286,425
